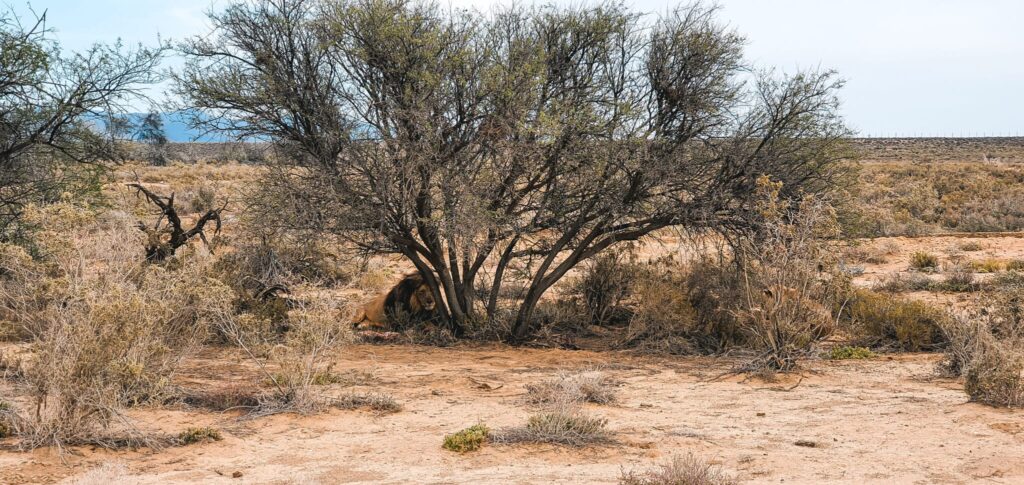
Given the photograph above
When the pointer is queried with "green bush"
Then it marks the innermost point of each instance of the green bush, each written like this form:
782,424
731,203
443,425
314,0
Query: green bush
469,439
846,352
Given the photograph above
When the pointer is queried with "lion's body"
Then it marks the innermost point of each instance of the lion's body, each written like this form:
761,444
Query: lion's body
410,299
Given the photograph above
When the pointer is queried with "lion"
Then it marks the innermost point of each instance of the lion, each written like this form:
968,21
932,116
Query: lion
410,299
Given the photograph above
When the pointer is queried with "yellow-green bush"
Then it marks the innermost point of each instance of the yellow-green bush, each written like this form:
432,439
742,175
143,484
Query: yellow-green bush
924,260
887,321
469,439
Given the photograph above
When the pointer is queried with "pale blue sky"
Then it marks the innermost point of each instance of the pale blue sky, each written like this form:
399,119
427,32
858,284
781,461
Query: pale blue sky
939,67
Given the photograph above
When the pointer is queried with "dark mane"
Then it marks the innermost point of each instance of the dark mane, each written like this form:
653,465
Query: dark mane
397,300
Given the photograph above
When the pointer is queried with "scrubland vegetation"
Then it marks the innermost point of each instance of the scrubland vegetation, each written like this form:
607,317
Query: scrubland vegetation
525,163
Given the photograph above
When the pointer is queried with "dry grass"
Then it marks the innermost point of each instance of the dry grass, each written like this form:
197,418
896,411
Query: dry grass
377,402
590,386
885,321
109,334
922,260
680,470
563,424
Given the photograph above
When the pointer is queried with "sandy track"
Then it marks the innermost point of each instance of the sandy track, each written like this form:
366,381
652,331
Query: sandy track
886,421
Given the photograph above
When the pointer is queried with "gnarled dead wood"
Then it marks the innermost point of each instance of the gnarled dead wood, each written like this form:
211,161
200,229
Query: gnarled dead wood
164,240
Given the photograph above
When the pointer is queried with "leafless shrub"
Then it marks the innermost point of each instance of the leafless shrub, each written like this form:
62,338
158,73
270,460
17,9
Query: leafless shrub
605,283
591,386
293,366
783,272
986,347
900,282
681,470
112,337
664,319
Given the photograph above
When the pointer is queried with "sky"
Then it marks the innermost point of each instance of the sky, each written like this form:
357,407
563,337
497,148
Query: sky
912,67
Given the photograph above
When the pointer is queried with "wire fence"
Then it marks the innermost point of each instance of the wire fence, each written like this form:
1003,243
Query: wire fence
950,134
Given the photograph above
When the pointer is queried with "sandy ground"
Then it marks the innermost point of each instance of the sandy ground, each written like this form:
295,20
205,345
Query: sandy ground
887,420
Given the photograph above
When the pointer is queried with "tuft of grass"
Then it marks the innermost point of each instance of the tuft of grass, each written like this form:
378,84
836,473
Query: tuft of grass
586,386
924,261
565,425
681,470
380,403
204,434
237,396
469,439
1015,265
847,352
970,246
987,266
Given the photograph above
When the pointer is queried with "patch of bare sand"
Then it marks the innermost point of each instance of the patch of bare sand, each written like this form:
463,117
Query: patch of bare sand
886,420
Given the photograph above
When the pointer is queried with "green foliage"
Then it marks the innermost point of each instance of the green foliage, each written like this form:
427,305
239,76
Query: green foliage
846,352
199,435
469,439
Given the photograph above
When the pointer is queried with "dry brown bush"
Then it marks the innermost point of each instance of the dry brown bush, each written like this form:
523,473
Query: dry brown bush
884,321
986,347
113,340
591,386
681,470
293,366
664,319
564,424
605,283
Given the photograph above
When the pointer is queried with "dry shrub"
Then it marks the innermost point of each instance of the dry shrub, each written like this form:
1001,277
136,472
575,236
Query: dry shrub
987,265
293,366
970,246
664,319
377,402
203,434
681,470
995,376
605,283
900,282
562,424
111,336
585,386
922,260
884,321
986,347
959,279
784,278
1015,265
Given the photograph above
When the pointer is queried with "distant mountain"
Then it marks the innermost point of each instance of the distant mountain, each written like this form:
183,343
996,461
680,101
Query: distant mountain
175,127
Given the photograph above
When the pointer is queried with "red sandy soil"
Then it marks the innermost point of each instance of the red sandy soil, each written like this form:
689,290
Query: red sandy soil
885,420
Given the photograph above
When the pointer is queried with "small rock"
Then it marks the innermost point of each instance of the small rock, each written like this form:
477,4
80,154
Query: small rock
236,475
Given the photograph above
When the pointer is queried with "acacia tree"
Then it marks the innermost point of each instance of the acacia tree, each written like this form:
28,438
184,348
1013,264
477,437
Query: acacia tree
526,140
50,106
